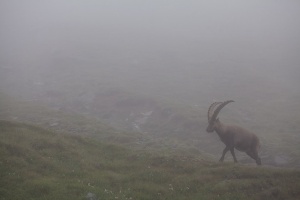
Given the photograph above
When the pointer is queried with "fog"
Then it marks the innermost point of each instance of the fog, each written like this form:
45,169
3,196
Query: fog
133,41
189,52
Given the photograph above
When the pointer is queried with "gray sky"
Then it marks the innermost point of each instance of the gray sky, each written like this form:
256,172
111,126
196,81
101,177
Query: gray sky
256,34
269,22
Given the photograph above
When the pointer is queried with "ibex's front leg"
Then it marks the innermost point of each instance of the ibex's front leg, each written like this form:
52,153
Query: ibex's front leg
233,154
227,148
224,152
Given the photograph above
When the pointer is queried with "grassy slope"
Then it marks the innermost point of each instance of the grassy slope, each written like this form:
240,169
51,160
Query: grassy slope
76,124
59,121
164,132
39,164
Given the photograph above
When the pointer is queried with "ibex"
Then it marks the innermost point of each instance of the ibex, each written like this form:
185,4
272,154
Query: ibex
234,137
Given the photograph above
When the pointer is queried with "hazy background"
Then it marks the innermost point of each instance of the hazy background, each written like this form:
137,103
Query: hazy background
193,51
188,52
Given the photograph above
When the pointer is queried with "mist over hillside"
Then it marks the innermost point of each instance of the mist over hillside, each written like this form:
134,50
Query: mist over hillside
74,56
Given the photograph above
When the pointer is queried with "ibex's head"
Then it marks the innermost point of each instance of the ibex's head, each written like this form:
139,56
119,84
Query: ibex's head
212,115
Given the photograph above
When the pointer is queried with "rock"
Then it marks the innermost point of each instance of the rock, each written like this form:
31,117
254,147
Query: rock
54,124
91,196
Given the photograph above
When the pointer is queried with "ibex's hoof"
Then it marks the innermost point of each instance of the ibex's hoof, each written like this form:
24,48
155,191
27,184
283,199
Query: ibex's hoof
258,163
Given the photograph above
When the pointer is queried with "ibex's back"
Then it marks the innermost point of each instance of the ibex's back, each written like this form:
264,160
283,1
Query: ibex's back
242,139
234,137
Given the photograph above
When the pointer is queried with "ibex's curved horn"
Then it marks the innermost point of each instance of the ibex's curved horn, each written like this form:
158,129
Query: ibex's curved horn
211,109
216,112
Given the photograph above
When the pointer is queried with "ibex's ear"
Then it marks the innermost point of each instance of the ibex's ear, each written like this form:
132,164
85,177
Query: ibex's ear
217,120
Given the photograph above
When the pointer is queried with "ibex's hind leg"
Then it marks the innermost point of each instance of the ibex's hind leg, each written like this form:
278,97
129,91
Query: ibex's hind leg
253,154
224,152
257,158
258,161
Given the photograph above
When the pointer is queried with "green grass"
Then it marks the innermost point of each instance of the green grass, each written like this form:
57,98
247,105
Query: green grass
183,129
40,164
60,121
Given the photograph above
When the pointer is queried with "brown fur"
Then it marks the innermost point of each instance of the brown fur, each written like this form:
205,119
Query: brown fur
235,137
